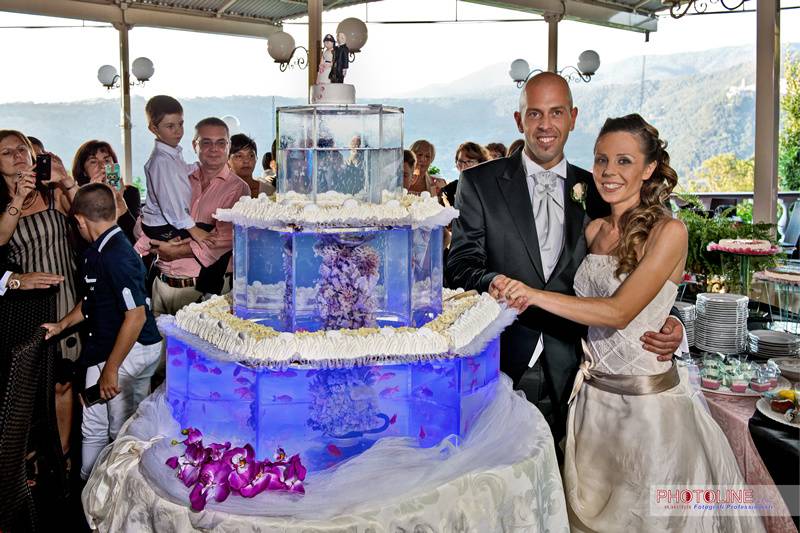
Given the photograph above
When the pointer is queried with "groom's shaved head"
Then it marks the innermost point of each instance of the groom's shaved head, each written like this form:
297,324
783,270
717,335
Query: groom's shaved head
545,118
544,81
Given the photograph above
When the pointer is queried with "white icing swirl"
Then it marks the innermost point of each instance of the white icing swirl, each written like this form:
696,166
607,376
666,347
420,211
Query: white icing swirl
337,210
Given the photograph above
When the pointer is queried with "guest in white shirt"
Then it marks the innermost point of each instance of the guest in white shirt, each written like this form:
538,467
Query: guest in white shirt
165,214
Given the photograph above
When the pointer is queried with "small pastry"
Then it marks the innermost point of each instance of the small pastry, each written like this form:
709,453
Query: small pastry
781,406
709,383
760,386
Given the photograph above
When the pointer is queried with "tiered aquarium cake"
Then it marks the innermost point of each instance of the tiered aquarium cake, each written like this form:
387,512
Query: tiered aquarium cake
337,332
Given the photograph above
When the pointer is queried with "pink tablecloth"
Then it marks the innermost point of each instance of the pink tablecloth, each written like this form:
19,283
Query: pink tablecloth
733,413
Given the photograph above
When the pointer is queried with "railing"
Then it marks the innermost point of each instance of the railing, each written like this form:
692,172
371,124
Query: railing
786,199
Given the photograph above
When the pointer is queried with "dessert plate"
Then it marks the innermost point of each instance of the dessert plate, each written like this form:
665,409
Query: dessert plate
763,405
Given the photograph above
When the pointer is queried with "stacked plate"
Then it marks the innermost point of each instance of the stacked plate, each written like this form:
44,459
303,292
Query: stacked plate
721,323
767,343
688,314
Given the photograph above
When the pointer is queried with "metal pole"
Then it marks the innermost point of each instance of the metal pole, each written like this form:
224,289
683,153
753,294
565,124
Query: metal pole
125,102
314,41
768,48
552,20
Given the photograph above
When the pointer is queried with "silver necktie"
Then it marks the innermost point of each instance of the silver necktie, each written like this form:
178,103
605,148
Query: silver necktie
549,216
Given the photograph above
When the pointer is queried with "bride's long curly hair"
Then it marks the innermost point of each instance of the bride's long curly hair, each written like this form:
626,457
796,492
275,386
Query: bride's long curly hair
637,222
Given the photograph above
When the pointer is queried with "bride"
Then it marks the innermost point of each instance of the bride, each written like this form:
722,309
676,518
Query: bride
634,425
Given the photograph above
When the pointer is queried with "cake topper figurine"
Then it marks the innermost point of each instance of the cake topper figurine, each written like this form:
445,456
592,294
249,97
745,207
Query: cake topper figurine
324,72
341,59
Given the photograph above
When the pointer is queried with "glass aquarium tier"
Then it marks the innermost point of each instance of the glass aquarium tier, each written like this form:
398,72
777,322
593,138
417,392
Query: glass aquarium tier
326,415
346,279
349,149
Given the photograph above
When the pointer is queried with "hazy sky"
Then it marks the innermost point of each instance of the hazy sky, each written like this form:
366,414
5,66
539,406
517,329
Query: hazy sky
56,65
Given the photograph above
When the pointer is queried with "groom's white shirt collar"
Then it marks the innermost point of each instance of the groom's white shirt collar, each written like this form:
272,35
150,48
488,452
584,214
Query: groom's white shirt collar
531,167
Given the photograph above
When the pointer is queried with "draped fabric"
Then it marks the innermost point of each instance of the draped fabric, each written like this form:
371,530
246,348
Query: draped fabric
504,477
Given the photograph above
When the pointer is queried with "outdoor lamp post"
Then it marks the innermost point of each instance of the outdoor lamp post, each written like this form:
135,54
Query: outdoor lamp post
142,69
588,63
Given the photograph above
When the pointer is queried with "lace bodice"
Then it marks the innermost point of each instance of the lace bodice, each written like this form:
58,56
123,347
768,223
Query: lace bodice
620,351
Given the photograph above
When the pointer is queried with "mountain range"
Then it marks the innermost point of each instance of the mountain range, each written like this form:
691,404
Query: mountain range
701,102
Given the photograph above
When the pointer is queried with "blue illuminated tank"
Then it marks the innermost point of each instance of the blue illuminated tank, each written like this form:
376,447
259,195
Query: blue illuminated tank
293,279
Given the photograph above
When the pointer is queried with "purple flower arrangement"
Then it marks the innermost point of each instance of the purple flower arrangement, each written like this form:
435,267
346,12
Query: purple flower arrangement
343,402
348,276
217,470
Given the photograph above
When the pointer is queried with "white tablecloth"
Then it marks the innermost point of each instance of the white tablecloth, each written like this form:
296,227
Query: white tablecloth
506,480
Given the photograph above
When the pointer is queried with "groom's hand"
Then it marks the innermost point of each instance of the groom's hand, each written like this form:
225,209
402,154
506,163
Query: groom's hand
498,286
665,342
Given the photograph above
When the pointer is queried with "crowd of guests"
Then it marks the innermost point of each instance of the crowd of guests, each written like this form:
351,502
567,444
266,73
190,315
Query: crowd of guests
84,258
98,264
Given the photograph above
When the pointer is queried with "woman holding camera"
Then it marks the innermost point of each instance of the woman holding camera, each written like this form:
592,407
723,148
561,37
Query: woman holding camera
89,166
33,228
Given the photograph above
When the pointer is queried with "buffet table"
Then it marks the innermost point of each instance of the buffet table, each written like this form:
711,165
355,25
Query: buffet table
733,414
490,483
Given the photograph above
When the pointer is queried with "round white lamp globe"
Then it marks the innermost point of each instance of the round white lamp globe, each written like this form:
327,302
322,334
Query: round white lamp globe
107,75
142,68
232,123
519,70
356,32
280,46
589,62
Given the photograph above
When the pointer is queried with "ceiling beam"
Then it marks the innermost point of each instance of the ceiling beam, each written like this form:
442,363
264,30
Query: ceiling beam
144,15
598,13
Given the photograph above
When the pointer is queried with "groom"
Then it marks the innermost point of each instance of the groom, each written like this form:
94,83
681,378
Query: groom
523,216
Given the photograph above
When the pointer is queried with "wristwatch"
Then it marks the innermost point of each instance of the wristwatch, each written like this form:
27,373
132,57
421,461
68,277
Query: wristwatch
13,283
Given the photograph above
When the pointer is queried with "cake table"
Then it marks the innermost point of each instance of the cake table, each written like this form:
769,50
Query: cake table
500,479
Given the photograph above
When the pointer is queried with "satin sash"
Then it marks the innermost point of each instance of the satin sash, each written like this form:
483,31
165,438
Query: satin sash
620,383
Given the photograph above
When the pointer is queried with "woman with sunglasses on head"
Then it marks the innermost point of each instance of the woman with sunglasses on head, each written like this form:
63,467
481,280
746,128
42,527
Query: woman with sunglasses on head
33,230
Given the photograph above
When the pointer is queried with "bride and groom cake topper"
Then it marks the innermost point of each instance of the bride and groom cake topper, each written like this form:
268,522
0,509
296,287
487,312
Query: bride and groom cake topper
335,60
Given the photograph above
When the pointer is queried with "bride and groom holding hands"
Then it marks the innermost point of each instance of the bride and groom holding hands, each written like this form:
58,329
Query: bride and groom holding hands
572,249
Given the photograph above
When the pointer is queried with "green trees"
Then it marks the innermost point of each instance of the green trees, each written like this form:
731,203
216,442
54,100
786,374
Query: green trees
722,173
789,154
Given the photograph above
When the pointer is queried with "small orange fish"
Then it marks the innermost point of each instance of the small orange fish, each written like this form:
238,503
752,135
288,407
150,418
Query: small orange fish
334,450
393,419
422,433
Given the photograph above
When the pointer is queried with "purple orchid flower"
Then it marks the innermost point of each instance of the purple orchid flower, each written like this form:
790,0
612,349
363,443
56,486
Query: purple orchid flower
295,468
192,435
216,451
213,482
243,466
189,463
267,477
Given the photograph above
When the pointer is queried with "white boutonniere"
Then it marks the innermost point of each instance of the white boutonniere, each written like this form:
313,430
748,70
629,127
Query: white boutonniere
578,193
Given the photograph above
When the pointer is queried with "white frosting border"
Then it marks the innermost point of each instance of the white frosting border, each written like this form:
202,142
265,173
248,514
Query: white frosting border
468,322
337,210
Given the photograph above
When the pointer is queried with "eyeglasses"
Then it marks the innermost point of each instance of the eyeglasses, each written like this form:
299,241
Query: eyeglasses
465,162
208,144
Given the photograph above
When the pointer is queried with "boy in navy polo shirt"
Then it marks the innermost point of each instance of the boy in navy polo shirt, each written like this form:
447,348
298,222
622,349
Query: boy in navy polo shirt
123,345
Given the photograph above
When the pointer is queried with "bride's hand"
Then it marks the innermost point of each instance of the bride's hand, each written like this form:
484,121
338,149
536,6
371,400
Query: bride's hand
497,286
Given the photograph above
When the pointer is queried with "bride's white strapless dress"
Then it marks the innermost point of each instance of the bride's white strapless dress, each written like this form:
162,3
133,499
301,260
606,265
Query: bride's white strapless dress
619,448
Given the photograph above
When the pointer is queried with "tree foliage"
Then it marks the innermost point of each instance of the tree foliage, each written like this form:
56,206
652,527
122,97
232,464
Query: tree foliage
722,173
789,155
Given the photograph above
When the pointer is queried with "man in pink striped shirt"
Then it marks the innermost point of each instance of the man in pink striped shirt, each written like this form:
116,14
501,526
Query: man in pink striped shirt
214,186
